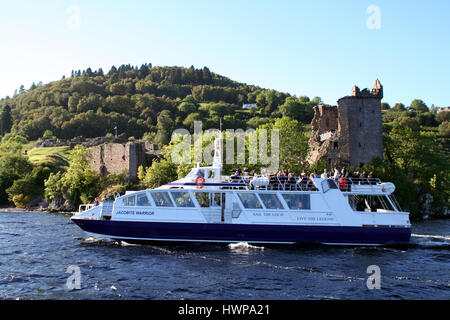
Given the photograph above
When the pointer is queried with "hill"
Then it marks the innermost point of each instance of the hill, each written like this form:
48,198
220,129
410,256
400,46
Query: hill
148,100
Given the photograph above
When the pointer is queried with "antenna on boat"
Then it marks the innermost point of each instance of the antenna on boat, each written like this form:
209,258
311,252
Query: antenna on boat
217,161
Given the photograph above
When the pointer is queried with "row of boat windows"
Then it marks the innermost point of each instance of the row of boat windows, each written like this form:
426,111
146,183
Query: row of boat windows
271,201
205,199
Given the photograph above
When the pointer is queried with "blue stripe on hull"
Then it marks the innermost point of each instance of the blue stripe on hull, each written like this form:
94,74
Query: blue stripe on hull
244,232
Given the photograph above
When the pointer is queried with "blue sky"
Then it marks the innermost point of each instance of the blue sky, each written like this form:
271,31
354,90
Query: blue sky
312,48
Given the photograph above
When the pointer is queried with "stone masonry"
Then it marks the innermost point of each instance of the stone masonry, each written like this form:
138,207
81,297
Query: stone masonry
350,133
113,158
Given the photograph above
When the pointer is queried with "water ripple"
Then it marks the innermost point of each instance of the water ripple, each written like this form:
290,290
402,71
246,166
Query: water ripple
36,250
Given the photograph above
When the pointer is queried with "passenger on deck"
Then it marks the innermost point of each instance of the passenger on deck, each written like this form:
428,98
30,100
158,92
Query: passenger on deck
246,175
355,178
291,180
343,184
363,177
311,179
236,175
291,177
324,175
303,180
336,174
281,176
371,178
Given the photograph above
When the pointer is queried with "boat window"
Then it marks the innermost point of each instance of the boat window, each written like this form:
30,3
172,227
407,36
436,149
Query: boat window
182,199
250,201
202,198
196,172
216,200
298,201
200,173
129,201
271,201
328,184
211,174
332,184
162,199
192,173
142,200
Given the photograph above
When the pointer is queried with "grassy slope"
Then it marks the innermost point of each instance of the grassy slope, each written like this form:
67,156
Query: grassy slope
41,154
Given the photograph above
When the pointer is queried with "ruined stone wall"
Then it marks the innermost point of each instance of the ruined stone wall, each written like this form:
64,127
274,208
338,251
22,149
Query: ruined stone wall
113,158
324,135
110,158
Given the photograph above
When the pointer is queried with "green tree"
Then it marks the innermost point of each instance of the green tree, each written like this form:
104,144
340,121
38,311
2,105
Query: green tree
299,109
30,186
79,184
444,129
419,106
385,106
53,186
417,166
12,167
160,173
255,122
188,105
399,106
141,173
47,134
12,143
5,120
293,143
443,116
188,123
409,122
165,126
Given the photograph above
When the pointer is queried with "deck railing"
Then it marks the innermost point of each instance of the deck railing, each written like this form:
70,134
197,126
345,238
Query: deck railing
274,183
358,184
303,183
85,207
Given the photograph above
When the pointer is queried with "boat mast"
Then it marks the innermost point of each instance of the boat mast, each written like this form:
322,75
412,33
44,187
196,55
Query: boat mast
217,160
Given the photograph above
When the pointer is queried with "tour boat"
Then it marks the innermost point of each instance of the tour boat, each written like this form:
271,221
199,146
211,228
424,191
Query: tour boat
207,206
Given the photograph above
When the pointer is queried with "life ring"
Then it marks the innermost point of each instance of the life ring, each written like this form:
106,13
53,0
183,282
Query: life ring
199,182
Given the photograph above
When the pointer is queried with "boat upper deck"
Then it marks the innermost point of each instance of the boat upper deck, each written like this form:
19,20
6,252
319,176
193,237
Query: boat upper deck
280,183
301,184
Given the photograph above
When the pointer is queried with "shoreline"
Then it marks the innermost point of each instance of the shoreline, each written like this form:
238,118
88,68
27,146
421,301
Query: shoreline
25,210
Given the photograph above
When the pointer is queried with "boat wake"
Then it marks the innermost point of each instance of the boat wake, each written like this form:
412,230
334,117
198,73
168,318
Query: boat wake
430,241
244,246
94,241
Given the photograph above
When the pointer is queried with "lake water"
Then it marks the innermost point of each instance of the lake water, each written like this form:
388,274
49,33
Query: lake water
36,250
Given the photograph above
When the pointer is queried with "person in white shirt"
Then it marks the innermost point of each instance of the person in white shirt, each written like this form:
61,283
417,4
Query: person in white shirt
324,175
336,174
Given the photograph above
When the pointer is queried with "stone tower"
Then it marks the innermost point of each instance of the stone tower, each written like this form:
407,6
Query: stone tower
350,133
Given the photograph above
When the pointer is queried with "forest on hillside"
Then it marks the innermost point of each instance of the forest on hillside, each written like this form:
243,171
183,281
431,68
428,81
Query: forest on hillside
142,101
149,102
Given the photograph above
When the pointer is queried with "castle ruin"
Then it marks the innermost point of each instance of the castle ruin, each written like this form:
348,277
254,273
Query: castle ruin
351,133
114,158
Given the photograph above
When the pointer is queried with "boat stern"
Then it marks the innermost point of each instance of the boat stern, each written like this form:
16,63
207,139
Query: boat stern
88,212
